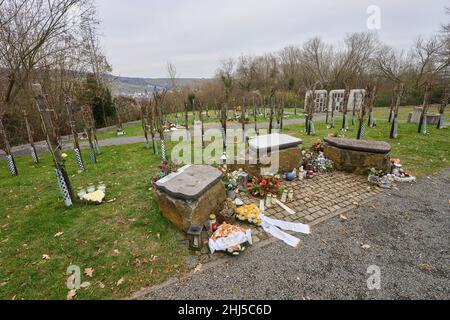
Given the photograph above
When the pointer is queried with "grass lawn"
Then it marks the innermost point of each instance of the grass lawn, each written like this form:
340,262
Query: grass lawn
128,238
383,112
128,242
135,129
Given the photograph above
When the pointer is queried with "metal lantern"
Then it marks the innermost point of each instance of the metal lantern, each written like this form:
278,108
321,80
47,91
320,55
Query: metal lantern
223,159
195,236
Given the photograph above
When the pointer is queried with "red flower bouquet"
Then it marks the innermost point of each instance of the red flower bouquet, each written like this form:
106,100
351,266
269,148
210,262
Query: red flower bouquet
262,186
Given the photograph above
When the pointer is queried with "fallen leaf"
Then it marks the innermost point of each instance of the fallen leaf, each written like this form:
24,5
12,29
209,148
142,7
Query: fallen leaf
158,235
121,280
356,204
343,218
59,234
101,285
116,251
71,294
112,200
85,284
198,268
45,257
88,272
365,246
425,266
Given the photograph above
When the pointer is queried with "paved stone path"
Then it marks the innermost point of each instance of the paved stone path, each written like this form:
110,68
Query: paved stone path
403,231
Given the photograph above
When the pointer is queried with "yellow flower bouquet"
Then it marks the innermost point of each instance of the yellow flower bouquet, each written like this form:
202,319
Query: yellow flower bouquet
249,213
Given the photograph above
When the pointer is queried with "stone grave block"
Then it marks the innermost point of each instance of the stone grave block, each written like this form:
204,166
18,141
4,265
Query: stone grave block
357,156
414,117
190,195
280,147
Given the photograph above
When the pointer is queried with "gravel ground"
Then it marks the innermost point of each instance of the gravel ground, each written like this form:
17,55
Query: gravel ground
408,238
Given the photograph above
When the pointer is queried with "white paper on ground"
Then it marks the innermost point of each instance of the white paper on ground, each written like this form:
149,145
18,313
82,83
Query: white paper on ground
277,233
289,226
285,207
271,226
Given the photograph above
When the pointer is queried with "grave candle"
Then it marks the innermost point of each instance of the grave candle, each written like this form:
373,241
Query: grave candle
291,195
274,200
269,201
81,193
101,186
284,196
212,223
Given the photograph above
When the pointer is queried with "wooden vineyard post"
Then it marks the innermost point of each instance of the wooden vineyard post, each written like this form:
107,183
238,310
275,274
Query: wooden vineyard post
158,99
354,108
86,110
224,116
255,114
73,129
119,121
151,124
243,116
391,110
94,132
144,119
9,156
362,115
186,115
444,103
48,127
271,104
371,120
34,155
345,109
394,127
202,123
310,130
426,106
282,114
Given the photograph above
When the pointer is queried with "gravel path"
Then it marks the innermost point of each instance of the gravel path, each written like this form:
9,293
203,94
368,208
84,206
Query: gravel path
408,239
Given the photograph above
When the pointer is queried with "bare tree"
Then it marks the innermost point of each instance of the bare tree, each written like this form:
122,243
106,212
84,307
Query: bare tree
429,58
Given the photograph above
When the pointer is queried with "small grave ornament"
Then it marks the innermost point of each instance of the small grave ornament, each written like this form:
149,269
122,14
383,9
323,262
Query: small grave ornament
195,236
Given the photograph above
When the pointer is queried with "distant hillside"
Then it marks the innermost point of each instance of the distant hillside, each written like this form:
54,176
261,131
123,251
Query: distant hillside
136,86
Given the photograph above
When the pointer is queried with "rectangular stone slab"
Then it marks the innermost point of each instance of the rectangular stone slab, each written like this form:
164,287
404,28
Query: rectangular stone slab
379,147
274,141
190,182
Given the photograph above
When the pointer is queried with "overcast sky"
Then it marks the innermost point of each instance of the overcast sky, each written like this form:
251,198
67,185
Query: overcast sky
141,36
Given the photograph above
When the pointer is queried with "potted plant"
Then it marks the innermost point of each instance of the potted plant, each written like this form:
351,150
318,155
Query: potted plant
231,186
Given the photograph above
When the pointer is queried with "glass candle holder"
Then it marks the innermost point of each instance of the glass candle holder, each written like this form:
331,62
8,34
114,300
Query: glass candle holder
269,201
274,200
284,196
291,195
81,193
101,186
